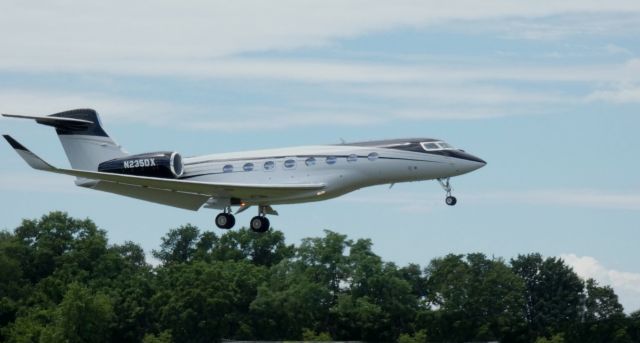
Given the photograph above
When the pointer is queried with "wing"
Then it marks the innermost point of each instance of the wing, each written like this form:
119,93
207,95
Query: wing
187,201
249,192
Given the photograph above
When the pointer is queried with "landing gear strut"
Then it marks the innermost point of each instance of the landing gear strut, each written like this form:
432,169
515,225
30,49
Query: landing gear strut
260,223
449,200
225,220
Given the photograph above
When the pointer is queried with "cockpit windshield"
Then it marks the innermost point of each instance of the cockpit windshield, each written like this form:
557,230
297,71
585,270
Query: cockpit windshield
433,146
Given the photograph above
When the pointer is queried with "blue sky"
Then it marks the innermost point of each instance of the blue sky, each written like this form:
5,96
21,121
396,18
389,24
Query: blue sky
548,93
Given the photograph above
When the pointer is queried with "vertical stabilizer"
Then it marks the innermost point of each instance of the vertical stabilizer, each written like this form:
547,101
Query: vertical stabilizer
86,145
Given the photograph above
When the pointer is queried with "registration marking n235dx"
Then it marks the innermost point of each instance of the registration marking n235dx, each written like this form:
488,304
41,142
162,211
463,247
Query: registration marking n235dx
143,162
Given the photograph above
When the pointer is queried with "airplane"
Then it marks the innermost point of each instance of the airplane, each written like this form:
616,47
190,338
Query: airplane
259,178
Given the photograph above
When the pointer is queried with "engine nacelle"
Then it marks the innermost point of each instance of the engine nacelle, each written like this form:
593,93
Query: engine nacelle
164,164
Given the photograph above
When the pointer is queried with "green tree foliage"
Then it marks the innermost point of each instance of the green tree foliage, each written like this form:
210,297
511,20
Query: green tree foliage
186,244
633,326
418,337
477,299
377,303
163,337
604,319
203,302
601,303
310,335
57,252
80,317
554,294
12,283
265,249
179,245
324,259
289,302
557,338
61,281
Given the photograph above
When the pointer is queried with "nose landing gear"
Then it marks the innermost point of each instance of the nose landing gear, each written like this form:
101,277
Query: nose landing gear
446,185
451,200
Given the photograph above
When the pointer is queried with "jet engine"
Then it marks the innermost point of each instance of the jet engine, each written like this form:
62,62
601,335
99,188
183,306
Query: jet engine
163,164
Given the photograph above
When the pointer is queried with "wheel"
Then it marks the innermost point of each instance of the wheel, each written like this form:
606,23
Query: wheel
259,224
225,220
451,201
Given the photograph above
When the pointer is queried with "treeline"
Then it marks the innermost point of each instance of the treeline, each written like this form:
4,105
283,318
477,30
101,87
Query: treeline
61,281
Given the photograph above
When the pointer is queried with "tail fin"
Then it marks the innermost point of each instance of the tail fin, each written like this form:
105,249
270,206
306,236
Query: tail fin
84,140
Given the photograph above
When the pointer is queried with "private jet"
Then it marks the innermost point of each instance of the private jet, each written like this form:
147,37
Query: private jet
260,178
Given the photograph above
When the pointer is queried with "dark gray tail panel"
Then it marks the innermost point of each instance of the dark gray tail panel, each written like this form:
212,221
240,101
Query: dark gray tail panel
94,128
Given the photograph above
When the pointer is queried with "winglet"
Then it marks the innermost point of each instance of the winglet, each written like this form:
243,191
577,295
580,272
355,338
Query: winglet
32,160
14,143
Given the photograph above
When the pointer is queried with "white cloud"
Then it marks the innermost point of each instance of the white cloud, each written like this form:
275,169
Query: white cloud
420,93
124,35
118,110
615,49
625,284
620,95
346,72
276,120
565,26
115,110
444,93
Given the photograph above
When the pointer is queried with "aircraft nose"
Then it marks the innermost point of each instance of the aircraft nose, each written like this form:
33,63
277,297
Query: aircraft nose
477,162
469,162
481,161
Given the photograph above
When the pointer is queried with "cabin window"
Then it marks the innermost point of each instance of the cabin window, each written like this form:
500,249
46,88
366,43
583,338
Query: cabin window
269,165
331,160
289,164
227,168
373,156
311,161
352,158
444,145
247,167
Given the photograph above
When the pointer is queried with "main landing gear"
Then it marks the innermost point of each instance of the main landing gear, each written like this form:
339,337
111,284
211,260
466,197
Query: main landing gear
225,220
449,200
259,223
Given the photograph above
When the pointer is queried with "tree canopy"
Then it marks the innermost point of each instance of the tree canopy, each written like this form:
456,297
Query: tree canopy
61,281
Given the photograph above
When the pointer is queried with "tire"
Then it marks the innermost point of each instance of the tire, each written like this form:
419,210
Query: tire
231,222
451,201
225,220
265,224
259,224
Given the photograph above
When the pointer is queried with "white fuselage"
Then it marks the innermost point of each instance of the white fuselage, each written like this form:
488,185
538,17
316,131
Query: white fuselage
258,178
341,168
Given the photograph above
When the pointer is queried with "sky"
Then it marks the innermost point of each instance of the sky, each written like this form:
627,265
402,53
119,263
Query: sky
547,92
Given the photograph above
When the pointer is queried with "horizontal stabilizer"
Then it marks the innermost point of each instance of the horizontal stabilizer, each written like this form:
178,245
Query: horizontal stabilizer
53,121
82,121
